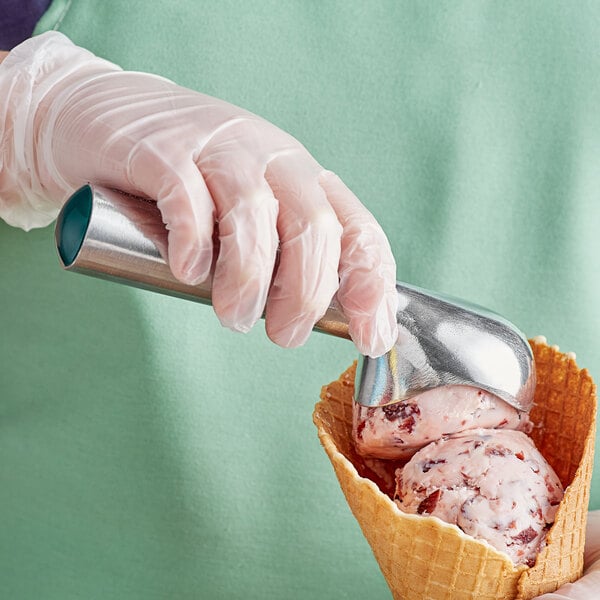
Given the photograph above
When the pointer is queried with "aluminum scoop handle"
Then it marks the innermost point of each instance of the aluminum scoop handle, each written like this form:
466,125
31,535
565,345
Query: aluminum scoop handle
111,235
118,237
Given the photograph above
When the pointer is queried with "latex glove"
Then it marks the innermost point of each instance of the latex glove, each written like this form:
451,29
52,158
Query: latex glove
588,587
69,117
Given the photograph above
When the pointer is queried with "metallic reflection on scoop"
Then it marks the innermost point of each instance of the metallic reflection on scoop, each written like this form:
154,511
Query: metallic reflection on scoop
445,341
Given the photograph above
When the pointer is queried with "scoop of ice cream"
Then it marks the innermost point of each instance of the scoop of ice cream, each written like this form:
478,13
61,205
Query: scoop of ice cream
494,484
398,430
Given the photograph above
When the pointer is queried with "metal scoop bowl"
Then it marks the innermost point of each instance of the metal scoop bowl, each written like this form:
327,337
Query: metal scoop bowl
442,341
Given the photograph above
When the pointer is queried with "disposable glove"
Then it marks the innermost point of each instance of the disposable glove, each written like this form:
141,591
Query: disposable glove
588,587
68,117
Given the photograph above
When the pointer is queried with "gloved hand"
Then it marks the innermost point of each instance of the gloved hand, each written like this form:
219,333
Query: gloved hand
588,587
69,117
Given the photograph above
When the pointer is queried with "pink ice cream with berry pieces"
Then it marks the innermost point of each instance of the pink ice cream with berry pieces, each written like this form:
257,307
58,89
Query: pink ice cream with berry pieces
398,430
492,483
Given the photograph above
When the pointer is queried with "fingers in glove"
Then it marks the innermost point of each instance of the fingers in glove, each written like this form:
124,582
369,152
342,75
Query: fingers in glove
309,233
592,540
186,206
367,292
247,217
587,587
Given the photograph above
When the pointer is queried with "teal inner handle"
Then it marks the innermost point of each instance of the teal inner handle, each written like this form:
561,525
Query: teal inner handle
72,224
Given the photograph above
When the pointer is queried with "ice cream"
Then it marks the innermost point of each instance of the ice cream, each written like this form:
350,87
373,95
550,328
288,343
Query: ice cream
398,430
424,558
494,484
472,465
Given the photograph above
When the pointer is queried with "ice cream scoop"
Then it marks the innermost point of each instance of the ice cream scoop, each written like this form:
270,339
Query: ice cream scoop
445,341
442,341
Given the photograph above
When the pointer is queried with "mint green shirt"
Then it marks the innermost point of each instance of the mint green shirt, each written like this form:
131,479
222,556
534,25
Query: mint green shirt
147,453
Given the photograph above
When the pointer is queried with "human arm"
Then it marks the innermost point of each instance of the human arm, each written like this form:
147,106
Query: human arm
203,160
586,588
3,55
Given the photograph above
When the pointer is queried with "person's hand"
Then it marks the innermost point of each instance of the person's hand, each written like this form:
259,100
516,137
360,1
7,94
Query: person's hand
588,587
69,117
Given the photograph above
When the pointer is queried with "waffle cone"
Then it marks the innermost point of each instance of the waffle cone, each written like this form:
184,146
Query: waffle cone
424,558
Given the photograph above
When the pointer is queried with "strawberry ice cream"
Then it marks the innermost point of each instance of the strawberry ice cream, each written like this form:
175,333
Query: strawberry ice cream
493,484
398,430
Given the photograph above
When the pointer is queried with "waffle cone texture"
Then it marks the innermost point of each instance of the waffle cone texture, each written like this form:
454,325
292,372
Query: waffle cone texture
422,557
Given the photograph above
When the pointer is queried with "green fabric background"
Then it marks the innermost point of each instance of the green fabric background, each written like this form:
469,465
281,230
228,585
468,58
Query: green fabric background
147,453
